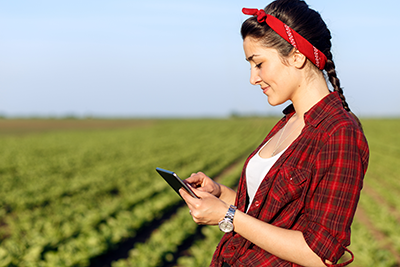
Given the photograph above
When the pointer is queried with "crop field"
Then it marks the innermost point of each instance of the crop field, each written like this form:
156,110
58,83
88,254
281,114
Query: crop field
85,192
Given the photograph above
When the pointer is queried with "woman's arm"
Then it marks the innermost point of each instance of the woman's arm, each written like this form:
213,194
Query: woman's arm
286,244
228,195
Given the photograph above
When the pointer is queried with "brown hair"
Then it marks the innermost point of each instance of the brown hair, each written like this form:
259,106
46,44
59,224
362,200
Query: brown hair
305,21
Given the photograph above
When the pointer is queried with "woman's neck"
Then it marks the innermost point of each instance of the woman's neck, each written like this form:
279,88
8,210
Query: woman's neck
310,92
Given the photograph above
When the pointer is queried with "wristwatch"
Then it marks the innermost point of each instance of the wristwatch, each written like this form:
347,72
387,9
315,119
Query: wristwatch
226,225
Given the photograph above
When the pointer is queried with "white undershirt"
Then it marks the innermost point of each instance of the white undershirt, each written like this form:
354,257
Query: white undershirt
256,170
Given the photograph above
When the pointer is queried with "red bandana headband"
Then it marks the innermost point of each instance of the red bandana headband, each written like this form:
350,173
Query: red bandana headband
287,33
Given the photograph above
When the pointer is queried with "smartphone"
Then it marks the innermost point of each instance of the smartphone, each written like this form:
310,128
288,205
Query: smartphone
175,182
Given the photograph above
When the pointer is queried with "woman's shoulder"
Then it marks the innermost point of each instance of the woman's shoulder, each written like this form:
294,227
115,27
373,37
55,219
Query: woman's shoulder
339,120
328,116
341,127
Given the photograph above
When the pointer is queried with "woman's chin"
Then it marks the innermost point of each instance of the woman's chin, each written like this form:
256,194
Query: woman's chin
273,101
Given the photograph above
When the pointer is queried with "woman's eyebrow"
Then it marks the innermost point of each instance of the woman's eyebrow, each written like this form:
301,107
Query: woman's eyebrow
250,58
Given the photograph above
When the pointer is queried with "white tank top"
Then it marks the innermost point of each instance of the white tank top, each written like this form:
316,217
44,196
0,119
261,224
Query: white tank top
256,170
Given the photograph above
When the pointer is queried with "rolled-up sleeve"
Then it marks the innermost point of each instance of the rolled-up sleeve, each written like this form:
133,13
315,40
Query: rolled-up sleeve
334,192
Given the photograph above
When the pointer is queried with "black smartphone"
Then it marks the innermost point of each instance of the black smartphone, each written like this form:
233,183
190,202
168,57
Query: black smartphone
175,182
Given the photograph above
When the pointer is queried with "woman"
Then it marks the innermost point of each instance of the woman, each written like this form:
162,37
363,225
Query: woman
299,189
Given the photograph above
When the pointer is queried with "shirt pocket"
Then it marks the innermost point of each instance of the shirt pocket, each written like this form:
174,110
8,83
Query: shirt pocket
289,184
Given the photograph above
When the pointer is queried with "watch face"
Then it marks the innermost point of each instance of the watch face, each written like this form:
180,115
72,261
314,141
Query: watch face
226,226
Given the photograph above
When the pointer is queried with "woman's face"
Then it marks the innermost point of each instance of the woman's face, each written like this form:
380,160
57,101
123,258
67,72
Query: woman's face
277,80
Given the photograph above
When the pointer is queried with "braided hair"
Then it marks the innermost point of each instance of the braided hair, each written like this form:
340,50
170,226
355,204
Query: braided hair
309,24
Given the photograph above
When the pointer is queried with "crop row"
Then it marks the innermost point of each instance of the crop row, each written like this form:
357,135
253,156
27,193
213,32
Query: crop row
73,211
163,244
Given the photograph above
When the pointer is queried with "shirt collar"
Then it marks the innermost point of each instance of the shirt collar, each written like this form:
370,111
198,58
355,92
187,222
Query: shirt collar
319,111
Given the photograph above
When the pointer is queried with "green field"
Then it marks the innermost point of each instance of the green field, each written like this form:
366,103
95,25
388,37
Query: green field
85,192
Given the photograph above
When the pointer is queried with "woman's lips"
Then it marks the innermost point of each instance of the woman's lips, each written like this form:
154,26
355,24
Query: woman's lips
265,89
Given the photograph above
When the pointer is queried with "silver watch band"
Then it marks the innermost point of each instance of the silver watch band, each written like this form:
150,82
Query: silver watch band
231,213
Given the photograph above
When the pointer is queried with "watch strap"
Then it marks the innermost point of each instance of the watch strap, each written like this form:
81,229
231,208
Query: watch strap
231,212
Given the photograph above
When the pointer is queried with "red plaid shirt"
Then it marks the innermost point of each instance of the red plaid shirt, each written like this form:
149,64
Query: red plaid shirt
314,187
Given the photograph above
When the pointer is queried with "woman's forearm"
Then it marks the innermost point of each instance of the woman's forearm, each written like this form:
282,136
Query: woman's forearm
227,195
286,244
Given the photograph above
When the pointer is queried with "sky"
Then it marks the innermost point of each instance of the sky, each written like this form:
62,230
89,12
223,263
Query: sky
178,58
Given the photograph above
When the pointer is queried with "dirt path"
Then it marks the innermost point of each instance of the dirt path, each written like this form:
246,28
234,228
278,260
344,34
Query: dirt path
184,249
379,199
122,250
29,126
378,235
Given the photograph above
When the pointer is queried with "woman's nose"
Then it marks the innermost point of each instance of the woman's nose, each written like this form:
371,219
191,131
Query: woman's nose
254,77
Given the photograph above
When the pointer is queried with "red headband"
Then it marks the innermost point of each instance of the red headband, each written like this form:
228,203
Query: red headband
287,33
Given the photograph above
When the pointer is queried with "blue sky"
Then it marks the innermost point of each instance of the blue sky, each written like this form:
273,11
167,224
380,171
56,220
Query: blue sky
174,58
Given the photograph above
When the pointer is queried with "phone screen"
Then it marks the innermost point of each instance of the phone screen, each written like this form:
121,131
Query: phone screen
175,182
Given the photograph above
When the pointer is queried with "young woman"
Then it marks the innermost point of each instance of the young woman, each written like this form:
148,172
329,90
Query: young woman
299,189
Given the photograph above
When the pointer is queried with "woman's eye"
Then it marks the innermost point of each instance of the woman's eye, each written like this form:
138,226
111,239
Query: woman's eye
258,65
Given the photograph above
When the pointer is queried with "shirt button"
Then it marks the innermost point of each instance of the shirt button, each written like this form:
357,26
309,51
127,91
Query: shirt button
233,247
257,203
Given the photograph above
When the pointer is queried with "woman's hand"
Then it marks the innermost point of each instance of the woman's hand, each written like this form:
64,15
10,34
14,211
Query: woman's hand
208,210
204,183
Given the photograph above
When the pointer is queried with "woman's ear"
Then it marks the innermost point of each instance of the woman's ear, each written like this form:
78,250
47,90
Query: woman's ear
298,59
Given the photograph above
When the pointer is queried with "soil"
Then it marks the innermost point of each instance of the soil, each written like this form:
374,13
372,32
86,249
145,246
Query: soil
27,126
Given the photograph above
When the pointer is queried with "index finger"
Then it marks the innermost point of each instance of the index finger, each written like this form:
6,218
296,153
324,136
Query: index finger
196,179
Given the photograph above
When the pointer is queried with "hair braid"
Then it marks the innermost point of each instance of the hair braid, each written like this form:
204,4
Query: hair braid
334,80
330,69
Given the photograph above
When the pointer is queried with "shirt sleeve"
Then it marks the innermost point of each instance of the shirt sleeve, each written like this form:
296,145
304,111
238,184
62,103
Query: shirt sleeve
334,193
